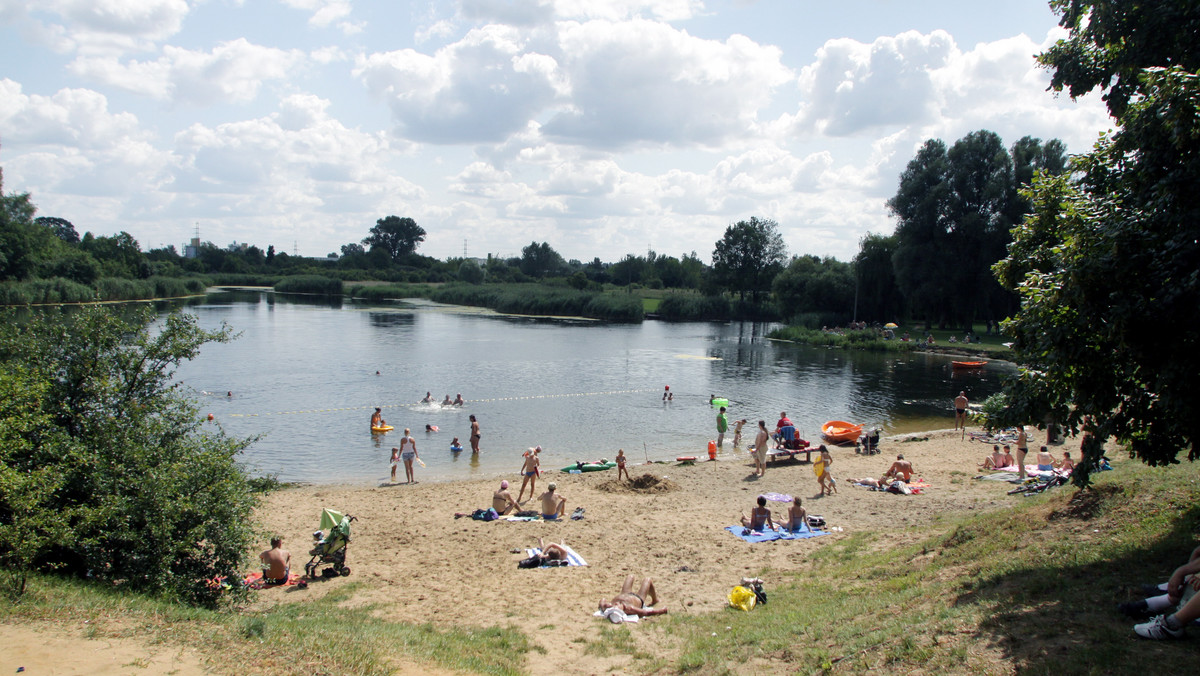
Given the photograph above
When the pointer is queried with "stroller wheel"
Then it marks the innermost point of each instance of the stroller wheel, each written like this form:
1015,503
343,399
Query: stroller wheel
345,570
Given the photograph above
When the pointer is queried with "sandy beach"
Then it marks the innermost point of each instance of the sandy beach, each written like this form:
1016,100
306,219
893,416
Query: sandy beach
421,564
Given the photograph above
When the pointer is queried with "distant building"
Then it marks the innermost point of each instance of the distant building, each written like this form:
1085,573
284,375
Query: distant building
192,250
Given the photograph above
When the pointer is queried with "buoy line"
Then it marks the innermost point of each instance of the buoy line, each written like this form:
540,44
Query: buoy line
470,401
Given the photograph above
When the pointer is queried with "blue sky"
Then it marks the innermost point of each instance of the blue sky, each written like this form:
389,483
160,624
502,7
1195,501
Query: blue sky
604,127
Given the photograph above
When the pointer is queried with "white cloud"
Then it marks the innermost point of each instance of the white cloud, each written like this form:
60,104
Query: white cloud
480,89
324,12
77,118
231,72
111,26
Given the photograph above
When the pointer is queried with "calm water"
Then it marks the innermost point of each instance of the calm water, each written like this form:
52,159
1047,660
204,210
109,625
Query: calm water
303,375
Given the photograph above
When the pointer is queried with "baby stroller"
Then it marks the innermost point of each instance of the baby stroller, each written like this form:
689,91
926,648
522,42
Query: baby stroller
330,549
869,441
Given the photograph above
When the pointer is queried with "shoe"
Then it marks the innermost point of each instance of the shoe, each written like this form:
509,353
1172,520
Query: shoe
1157,629
1135,609
1149,590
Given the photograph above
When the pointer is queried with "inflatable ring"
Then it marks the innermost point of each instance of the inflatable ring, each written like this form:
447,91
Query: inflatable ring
382,428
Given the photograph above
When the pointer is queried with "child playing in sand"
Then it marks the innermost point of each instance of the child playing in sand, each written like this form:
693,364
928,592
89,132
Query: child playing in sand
621,464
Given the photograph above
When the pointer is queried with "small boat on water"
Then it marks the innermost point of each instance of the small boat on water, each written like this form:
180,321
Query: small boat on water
840,431
968,364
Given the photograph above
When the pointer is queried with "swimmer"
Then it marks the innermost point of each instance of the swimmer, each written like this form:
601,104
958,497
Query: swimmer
447,402
458,400
431,428
377,418
428,398
455,447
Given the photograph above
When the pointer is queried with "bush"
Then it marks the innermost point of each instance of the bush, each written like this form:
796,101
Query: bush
530,299
314,284
690,307
108,472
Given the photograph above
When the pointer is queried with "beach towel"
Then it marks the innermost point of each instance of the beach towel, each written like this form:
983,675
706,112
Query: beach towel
616,615
997,476
254,580
777,497
772,535
573,559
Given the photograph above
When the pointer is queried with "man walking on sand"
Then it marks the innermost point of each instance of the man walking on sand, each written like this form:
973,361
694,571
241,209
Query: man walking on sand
960,411
722,427
760,449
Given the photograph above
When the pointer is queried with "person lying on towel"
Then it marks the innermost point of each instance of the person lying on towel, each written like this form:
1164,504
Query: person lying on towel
635,603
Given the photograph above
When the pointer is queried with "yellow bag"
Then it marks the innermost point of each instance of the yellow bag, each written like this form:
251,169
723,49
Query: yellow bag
741,597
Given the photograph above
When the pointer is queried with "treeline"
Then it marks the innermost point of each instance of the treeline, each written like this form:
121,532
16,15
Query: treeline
955,209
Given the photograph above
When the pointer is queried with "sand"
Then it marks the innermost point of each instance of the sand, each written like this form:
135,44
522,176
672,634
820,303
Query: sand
421,564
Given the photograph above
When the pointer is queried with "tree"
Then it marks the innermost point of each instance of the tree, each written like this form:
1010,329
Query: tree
470,272
108,470
398,236
809,284
61,227
879,298
1106,266
540,260
353,249
748,257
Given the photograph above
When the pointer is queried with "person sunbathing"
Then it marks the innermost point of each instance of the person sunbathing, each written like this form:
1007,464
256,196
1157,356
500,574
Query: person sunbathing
797,516
632,603
1045,461
866,481
276,562
760,517
1066,464
502,500
552,551
554,506
901,469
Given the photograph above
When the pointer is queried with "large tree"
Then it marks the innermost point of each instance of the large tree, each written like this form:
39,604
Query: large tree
1108,266
821,286
748,257
541,260
877,296
397,236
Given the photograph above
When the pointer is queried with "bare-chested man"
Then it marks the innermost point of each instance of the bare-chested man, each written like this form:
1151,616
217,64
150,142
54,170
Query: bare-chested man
277,562
993,461
474,432
635,603
502,500
760,449
960,411
529,470
554,506
901,469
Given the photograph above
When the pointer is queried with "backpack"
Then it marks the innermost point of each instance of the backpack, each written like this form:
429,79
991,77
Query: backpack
815,521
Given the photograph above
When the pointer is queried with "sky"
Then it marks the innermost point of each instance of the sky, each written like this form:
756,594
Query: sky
602,127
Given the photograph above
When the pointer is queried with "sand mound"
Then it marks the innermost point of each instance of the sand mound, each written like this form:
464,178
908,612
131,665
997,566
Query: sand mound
646,483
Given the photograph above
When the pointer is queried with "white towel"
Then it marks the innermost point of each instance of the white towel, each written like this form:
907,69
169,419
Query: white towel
615,615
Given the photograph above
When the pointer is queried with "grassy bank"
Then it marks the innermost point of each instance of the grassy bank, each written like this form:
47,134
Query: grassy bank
325,636
1032,589
989,346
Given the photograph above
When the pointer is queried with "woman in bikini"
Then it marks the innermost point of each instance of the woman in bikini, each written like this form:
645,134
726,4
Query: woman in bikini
760,517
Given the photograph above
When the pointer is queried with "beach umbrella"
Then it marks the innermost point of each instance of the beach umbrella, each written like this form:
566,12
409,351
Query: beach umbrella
891,325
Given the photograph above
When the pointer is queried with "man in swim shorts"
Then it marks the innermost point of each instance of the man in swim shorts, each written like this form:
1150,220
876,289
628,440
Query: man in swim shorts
502,500
277,562
722,427
632,603
474,433
554,506
960,411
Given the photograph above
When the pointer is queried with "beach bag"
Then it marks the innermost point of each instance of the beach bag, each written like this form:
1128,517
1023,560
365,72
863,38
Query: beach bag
900,488
488,514
534,561
815,521
742,598
526,513
760,596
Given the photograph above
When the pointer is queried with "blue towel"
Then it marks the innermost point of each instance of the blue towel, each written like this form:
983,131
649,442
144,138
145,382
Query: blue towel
769,535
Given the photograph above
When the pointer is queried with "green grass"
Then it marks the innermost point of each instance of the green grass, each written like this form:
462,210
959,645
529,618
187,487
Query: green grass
326,635
1031,589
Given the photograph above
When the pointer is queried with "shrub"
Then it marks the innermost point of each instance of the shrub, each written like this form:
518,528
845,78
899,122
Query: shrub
314,284
108,471
690,307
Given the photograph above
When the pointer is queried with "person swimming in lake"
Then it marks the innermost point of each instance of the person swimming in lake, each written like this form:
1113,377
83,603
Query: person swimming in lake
455,447
458,400
447,402
377,418
428,398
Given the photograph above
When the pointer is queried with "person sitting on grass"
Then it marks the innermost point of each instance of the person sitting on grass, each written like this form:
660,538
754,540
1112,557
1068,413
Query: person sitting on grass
1066,464
1160,597
797,516
760,517
1045,461
1181,591
632,603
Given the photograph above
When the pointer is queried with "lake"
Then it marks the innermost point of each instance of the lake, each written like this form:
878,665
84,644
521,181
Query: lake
306,374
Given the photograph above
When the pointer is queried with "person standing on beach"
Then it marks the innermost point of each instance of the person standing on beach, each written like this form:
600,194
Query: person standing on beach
828,485
620,466
474,432
760,449
408,453
529,470
395,461
960,411
722,427
1022,449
